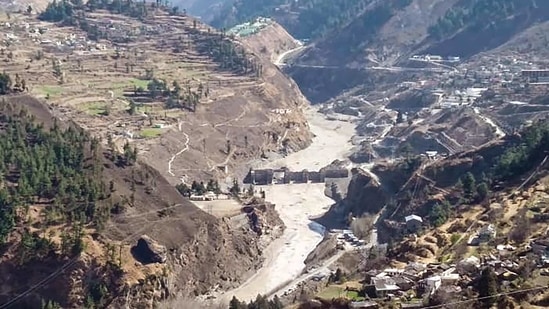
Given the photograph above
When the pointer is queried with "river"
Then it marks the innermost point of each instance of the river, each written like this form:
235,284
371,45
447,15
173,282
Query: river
296,203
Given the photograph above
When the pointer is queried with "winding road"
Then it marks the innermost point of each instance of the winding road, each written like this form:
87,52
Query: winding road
499,131
280,60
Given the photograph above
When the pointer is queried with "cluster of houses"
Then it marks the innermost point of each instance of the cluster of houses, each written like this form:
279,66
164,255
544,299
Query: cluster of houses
285,176
416,282
435,58
420,281
249,28
484,235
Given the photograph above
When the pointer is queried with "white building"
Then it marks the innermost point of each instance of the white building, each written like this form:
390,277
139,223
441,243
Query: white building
413,222
432,284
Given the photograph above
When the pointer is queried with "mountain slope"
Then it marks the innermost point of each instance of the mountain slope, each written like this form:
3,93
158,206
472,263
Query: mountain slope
78,237
203,9
197,103
398,29
306,19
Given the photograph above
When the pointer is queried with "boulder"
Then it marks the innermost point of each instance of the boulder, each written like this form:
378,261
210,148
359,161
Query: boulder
148,251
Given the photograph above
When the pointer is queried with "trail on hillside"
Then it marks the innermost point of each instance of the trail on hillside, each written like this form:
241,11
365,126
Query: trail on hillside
185,148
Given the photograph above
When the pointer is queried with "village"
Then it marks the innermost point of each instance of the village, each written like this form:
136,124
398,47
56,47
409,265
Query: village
413,283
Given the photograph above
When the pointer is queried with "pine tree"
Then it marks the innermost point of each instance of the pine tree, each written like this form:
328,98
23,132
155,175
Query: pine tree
487,286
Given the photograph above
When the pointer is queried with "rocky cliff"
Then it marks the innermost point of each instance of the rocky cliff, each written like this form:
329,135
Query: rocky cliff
365,194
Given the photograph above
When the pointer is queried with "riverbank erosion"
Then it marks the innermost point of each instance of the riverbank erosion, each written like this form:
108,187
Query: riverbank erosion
297,204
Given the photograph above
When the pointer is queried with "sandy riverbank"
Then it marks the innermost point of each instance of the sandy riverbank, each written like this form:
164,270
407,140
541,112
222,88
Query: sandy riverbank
296,203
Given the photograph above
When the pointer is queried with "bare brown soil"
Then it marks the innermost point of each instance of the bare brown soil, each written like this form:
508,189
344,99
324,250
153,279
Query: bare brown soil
271,41
239,109
202,249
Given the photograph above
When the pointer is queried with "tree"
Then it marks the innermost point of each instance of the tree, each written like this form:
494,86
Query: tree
5,83
132,108
487,286
400,117
235,189
440,213
522,229
29,9
50,304
482,191
183,189
469,187
406,149
236,304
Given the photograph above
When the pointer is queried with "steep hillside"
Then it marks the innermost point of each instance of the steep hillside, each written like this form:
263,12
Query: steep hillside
270,42
465,22
73,240
196,103
448,188
306,19
399,29
205,10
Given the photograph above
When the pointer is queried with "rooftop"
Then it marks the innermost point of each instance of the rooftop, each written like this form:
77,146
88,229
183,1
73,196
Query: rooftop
413,217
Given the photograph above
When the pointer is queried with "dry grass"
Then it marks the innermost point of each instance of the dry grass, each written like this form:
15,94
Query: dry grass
236,106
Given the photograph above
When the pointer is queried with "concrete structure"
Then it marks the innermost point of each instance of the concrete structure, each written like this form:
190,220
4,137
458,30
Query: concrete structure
283,175
469,265
413,223
536,76
279,176
363,305
487,233
431,284
384,285
431,154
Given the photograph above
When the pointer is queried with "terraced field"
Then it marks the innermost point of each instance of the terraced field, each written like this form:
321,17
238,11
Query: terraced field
93,83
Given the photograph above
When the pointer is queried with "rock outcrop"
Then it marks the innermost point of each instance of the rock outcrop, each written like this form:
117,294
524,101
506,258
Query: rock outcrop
148,250
365,194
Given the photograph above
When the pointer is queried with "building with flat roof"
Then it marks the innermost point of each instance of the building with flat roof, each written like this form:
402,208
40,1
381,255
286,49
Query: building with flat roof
536,76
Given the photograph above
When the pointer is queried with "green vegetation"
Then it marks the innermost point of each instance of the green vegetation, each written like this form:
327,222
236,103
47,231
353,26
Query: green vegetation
49,304
48,164
218,46
199,188
315,17
7,85
51,90
440,213
532,147
475,15
95,108
61,11
134,82
334,291
61,169
228,55
261,302
487,286
150,132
